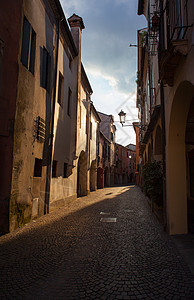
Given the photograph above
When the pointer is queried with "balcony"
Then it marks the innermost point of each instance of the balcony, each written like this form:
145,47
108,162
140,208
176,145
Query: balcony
171,59
179,25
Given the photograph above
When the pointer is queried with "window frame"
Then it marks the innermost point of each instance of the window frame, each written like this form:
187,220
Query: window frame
45,69
60,89
28,49
69,102
37,168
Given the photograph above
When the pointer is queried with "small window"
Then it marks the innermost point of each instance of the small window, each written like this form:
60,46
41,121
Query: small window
28,46
54,169
65,170
38,167
45,69
60,89
69,102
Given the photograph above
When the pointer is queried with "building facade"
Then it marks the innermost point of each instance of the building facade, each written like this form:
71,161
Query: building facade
108,129
45,112
165,101
131,163
104,146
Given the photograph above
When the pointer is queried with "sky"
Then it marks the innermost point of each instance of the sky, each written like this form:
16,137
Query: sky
110,64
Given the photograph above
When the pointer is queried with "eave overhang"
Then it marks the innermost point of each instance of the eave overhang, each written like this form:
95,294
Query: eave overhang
60,17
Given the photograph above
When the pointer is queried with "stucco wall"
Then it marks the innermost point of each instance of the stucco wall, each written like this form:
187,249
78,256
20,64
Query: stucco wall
32,101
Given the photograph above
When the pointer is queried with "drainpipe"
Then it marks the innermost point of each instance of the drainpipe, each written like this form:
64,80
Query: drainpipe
161,46
50,149
89,111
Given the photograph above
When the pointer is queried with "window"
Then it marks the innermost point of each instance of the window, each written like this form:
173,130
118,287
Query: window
38,167
69,102
28,46
45,68
65,170
60,89
54,169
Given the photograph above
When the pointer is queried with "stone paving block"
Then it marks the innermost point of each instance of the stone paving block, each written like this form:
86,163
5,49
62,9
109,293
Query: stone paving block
70,254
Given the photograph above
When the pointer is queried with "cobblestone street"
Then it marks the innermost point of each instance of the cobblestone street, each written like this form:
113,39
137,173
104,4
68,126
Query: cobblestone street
107,245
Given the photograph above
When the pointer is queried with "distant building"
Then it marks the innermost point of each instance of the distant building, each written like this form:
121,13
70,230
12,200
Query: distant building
131,163
124,164
104,145
108,129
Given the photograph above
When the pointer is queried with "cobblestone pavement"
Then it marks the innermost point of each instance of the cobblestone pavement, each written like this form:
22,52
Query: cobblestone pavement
74,253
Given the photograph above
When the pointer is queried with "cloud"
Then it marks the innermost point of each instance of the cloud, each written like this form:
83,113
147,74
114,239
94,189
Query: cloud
72,6
94,71
110,64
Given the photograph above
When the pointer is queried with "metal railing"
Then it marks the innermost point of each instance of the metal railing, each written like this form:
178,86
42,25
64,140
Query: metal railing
178,21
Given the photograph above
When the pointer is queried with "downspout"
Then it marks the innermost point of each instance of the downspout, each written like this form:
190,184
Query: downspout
161,46
50,148
149,67
89,137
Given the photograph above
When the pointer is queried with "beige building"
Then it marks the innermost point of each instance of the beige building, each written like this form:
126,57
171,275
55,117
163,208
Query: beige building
87,139
166,104
36,156
55,122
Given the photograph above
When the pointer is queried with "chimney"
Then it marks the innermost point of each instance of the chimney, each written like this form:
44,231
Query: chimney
76,23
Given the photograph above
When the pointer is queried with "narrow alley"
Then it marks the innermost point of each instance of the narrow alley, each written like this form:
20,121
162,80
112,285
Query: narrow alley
107,245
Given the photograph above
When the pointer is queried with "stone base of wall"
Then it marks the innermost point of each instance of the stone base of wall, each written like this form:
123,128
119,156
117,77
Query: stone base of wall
62,202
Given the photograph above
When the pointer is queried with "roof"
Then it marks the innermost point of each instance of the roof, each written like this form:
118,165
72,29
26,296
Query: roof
110,116
85,80
94,111
59,14
104,136
131,147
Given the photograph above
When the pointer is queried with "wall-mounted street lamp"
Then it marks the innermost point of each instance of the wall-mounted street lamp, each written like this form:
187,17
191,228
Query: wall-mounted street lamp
122,118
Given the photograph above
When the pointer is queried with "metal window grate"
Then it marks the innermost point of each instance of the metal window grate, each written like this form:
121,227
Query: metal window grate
40,129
